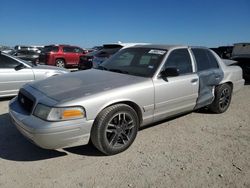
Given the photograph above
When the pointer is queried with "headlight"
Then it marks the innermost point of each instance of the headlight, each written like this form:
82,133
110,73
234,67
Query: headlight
58,114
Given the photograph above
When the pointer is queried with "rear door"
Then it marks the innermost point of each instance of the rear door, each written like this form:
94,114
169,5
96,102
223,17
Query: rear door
69,55
10,79
78,52
72,54
176,94
210,75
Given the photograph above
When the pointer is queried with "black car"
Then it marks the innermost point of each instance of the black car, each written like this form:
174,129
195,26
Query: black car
225,52
241,54
28,55
95,58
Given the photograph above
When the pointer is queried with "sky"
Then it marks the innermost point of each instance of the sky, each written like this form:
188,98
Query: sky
88,23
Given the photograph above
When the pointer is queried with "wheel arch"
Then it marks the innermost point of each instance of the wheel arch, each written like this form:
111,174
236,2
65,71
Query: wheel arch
229,83
132,104
56,58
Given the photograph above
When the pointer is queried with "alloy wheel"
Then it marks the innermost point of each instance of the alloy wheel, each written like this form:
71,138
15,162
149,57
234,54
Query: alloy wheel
60,63
120,129
224,98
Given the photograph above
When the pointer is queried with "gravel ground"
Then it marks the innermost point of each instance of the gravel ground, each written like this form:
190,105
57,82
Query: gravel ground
195,150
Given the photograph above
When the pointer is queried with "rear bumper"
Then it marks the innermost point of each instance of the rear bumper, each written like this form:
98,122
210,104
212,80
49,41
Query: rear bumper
50,135
238,85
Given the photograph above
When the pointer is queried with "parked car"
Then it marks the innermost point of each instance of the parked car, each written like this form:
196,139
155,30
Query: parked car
225,52
135,87
61,55
241,54
95,58
28,55
14,73
36,49
7,50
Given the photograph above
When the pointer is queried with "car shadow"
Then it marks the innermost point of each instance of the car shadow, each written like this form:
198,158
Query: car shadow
247,82
204,111
87,150
14,147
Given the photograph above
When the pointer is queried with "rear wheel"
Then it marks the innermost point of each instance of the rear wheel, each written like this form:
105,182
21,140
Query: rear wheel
60,63
115,129
223,94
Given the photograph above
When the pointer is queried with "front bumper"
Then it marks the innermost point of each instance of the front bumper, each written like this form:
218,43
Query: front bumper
50,135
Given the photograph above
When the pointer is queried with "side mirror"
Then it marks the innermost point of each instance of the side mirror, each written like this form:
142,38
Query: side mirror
19,67
169,72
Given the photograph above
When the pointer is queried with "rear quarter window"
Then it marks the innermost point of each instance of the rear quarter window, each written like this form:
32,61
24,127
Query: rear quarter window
68,49
51,49
205,60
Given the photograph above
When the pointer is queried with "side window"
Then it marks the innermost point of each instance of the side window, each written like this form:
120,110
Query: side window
213,61
68,49
180,59
205,60
7,62
55,49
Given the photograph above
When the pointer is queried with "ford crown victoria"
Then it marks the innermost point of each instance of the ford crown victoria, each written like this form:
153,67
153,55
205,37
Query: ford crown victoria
135,87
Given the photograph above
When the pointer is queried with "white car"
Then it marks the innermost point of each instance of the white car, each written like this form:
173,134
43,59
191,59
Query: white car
135,87
14,73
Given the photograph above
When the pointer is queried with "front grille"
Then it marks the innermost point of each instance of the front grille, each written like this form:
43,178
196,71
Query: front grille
26,102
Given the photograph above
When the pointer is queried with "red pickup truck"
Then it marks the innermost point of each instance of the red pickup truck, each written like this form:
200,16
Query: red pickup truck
61,55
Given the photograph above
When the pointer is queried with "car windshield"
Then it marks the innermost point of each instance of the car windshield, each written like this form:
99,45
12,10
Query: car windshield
15,60
26,62
135,61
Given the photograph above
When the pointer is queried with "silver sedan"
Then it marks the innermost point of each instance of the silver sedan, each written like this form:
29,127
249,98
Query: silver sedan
135,87
14,73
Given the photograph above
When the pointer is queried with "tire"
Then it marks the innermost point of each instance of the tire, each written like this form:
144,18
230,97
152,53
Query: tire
115,129
223,95
60,63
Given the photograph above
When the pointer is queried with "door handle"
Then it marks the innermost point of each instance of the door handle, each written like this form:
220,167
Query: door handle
194,80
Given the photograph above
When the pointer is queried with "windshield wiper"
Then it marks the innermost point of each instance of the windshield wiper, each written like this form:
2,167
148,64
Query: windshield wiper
101,67
112,70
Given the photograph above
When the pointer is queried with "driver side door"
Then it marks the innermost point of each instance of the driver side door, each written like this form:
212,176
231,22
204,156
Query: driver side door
10,79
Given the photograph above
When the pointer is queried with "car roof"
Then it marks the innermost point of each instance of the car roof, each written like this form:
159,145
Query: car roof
120,44
161,46
167,47
67,45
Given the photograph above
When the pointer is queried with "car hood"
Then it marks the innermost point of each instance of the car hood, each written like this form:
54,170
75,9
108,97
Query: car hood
80,84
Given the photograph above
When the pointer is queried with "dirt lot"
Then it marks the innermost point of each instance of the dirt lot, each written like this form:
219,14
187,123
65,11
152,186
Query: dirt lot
195,150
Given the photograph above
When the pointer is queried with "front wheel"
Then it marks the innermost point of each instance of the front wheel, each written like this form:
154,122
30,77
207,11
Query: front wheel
115,129
223,95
